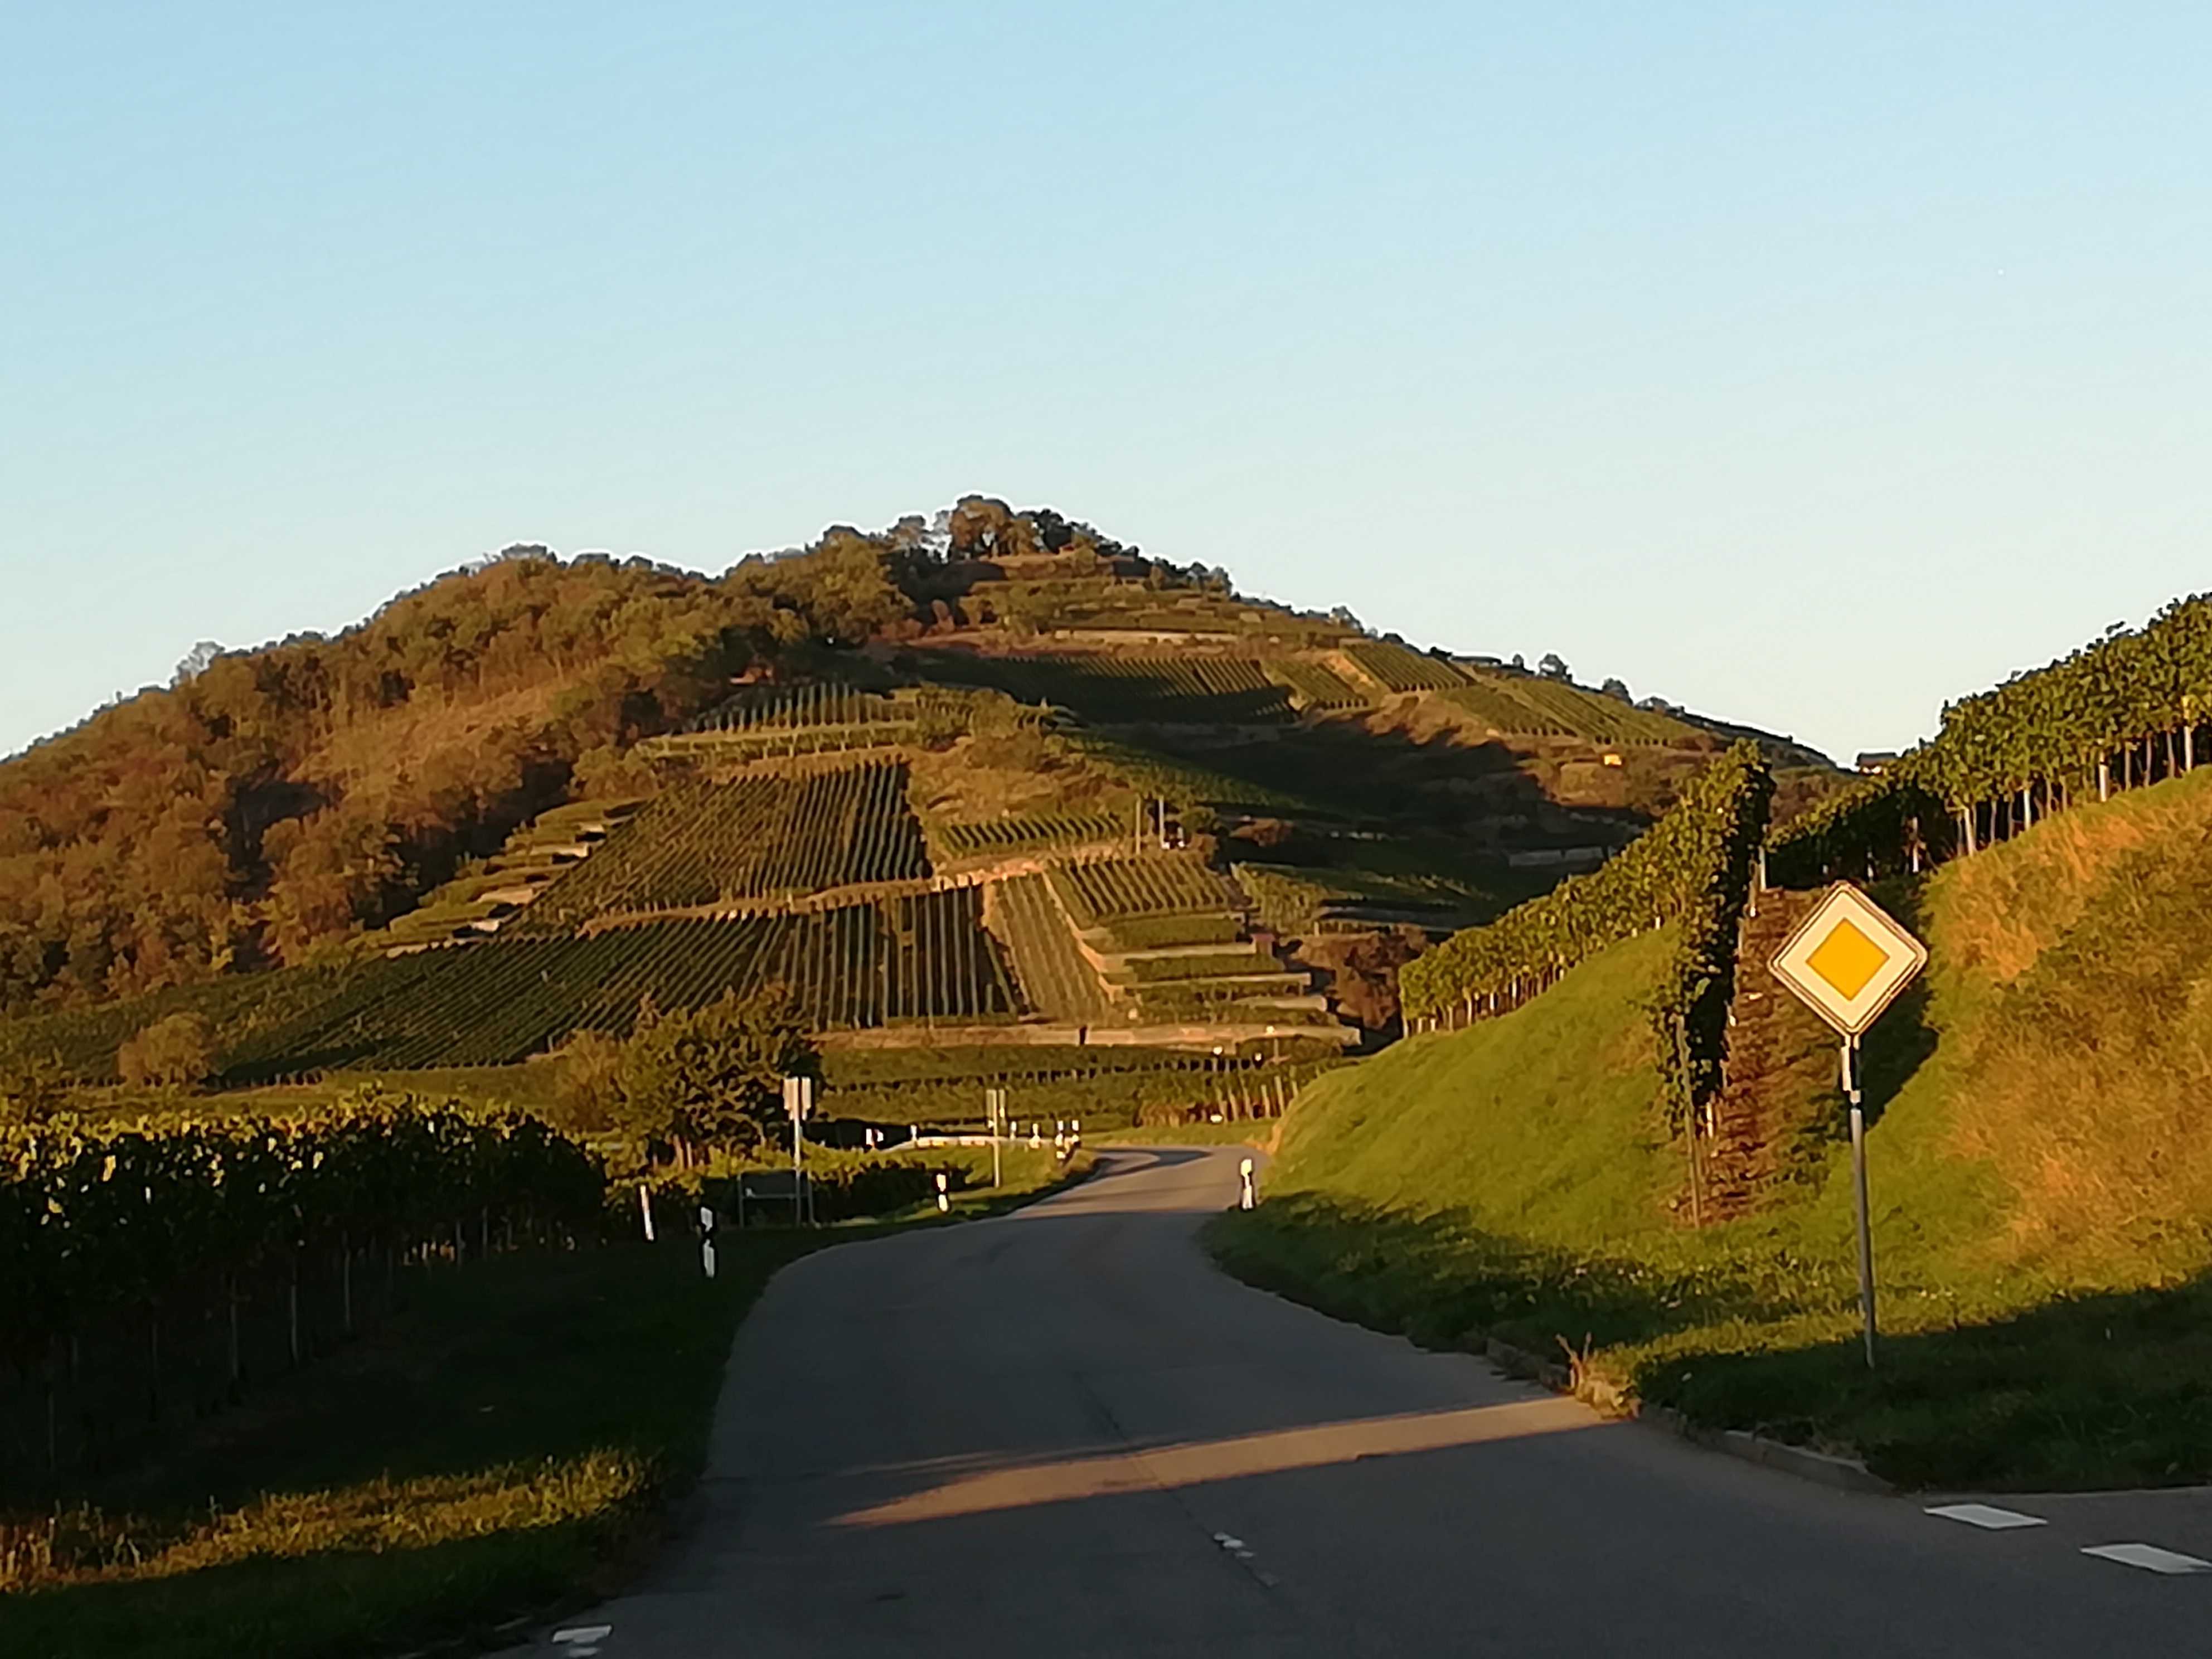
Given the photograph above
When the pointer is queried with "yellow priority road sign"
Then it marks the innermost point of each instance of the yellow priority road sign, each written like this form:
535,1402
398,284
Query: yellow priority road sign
1848,960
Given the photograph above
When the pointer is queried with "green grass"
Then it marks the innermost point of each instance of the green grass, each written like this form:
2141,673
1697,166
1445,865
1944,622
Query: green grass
2041,1186
506,1446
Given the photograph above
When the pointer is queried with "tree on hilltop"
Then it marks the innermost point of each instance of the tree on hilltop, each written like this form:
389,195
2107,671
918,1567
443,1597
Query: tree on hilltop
197,662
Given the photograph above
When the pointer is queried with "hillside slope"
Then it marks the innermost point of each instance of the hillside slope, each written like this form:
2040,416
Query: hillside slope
2042,1186
993,782
283,798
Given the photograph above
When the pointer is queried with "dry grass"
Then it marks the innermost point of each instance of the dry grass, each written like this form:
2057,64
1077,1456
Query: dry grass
1999,913
2087,1077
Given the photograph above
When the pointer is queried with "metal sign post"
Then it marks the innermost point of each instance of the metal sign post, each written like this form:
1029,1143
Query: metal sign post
1859,1193
798,1103
1847,961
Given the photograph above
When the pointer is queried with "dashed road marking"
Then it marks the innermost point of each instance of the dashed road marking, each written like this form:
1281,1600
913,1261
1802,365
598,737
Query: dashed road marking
1231,1545
2148,1557
583,1640
1987,1516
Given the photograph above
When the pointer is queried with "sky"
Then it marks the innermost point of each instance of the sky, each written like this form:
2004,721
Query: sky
1806,365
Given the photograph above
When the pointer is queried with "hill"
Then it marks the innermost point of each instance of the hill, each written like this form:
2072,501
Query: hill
2040,1188
995,782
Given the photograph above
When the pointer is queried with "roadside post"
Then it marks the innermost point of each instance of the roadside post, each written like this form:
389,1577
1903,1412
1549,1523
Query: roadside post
645,1209
799,1103
994,1107
943,1204
1247,1192
1847,961
707,1239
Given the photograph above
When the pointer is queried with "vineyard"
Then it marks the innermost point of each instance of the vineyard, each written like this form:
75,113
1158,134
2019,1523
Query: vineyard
1692,868
535,856
919,958
1399,668
2125,710
790,707
1168,777
1152,686
1313,686
1199,1087
708,843
127,1255
1056,978
1296,901
1587,714
1108,892
85,1040
1032,834
1100,604
1504,713
815,717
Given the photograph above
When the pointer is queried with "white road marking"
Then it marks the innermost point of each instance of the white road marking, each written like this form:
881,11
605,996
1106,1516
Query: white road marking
1227,1542
2148,1557
585,1633
1987,1516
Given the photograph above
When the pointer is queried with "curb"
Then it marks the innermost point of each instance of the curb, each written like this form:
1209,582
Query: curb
1844,1473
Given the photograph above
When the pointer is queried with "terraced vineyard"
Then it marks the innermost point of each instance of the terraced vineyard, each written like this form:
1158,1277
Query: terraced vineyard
1587,714
1151,686
925,958
1399,668
708,843
1186,783
1056,980
1108,892
1314,686
1504,713
1299,902
1100,604
796,719
1036,834
789,708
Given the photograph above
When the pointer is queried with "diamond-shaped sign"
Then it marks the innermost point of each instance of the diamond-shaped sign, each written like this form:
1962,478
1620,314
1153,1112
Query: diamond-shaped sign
1848,960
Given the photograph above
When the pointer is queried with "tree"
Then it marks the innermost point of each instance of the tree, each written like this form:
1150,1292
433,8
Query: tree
197,662
1553,666
176,1053
713,1076
1614,687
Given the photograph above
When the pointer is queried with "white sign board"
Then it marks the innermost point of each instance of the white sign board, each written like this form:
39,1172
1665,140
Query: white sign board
1849,959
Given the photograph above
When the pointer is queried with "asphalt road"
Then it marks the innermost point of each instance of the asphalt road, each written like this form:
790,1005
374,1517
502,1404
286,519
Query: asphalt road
1063,1433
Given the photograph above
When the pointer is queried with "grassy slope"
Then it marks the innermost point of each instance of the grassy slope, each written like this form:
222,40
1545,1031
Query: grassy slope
2040,1188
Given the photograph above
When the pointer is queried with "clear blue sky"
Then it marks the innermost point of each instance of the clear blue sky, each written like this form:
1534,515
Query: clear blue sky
1806,364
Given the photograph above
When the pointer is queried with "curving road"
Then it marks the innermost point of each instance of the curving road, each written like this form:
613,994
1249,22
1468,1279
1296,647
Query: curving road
1063,1432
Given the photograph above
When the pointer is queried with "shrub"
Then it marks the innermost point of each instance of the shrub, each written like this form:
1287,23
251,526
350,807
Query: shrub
176,1053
